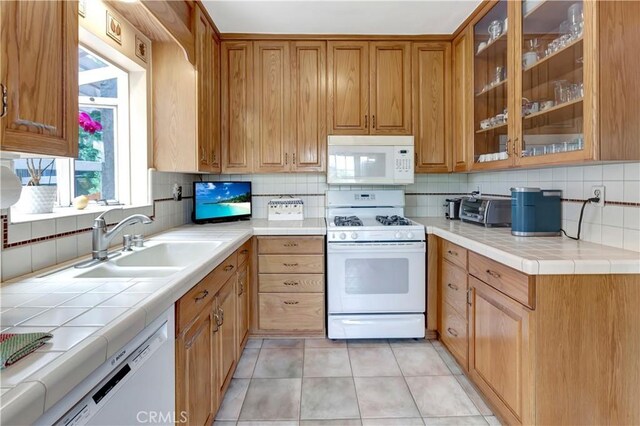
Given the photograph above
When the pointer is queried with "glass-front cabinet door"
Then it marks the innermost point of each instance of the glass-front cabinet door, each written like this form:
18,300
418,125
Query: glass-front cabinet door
492,88
555,81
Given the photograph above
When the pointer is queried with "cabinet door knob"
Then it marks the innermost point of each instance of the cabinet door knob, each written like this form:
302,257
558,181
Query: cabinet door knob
452,332
5,100
452,286
452,253
245,251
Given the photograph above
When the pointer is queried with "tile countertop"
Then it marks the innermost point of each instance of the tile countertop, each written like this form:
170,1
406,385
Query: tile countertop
535,255
92,318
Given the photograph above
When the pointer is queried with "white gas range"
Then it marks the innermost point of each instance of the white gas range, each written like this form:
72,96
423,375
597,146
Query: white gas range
376,266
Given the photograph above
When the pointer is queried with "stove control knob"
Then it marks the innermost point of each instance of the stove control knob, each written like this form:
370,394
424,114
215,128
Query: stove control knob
343,235
409,235
398,235
354,236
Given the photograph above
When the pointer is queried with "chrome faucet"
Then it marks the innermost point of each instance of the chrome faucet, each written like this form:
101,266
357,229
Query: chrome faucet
101,237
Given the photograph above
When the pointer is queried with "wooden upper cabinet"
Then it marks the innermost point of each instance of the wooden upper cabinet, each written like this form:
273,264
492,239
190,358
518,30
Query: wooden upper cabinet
204,91
432,107
309,93
390,87
215,160
237,107
348,87
462,117
39,71
272,106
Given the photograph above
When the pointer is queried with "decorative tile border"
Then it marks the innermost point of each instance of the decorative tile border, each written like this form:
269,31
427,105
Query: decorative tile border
4,219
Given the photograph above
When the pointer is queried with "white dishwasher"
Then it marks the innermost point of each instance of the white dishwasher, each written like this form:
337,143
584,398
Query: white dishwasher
135,386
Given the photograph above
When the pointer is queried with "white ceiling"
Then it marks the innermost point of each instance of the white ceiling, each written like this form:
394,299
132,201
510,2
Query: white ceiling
401,17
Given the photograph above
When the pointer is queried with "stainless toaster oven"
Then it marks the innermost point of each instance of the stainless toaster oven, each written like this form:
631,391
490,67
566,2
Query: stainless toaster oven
486,211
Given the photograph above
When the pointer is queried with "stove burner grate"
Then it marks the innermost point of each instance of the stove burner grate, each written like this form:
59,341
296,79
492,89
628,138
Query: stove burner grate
394,220
347,221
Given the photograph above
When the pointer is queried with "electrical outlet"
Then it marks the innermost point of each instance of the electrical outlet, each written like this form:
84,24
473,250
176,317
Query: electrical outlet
598,191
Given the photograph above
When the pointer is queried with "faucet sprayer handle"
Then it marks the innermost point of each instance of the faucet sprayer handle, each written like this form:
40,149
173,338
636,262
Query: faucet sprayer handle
100,220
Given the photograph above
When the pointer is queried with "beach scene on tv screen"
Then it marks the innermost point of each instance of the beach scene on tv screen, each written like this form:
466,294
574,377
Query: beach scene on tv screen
222,199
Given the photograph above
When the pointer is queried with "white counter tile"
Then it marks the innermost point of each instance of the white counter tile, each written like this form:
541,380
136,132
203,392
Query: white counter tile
17,316
124,300
18,372
535,255
50,300
87,300
64,338
97,317
54,317
23,404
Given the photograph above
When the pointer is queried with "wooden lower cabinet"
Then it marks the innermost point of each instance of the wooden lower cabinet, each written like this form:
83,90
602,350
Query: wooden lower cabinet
227,321
544,349
242,310
196,379
211,329
500,361
290,287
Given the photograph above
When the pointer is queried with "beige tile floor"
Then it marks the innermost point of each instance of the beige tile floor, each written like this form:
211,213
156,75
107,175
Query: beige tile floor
282,382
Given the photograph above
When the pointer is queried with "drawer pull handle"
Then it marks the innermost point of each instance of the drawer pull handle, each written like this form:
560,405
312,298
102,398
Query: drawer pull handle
452,332
453,286
245,251
291,302
291,265
291,283
291,244
201,295
494,274
452,253
228,268
468,296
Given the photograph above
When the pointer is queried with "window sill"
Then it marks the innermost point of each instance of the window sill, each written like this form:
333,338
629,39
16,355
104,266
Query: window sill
60,212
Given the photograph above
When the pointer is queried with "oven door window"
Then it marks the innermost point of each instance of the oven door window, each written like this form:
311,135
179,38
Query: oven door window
377,276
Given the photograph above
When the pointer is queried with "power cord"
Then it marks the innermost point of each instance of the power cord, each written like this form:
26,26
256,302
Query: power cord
590,200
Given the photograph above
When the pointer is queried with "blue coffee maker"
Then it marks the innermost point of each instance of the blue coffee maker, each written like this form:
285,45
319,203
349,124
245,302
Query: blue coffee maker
536,212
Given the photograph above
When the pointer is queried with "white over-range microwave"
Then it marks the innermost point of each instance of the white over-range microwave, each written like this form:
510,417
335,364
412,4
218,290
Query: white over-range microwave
370,160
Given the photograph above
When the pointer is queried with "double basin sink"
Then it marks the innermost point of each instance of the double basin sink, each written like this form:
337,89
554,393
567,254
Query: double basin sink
157,259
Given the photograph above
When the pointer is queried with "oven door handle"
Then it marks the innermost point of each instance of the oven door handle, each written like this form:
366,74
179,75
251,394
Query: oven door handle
416,247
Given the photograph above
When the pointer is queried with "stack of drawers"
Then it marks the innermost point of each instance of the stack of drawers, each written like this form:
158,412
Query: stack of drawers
454,292
291,284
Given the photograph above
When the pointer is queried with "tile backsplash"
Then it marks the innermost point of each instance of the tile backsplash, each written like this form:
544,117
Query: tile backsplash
31,246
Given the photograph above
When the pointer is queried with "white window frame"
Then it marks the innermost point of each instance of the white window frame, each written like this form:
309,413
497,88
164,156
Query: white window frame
65,168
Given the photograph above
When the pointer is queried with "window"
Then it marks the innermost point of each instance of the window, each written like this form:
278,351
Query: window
101,171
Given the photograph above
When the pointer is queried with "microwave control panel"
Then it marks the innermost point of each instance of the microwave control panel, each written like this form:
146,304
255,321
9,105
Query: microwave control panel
403,164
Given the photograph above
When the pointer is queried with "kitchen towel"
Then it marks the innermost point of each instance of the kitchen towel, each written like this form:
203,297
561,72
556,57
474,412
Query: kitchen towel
16,346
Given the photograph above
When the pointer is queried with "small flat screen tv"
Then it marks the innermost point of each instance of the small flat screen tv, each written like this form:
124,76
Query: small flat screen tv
221,201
